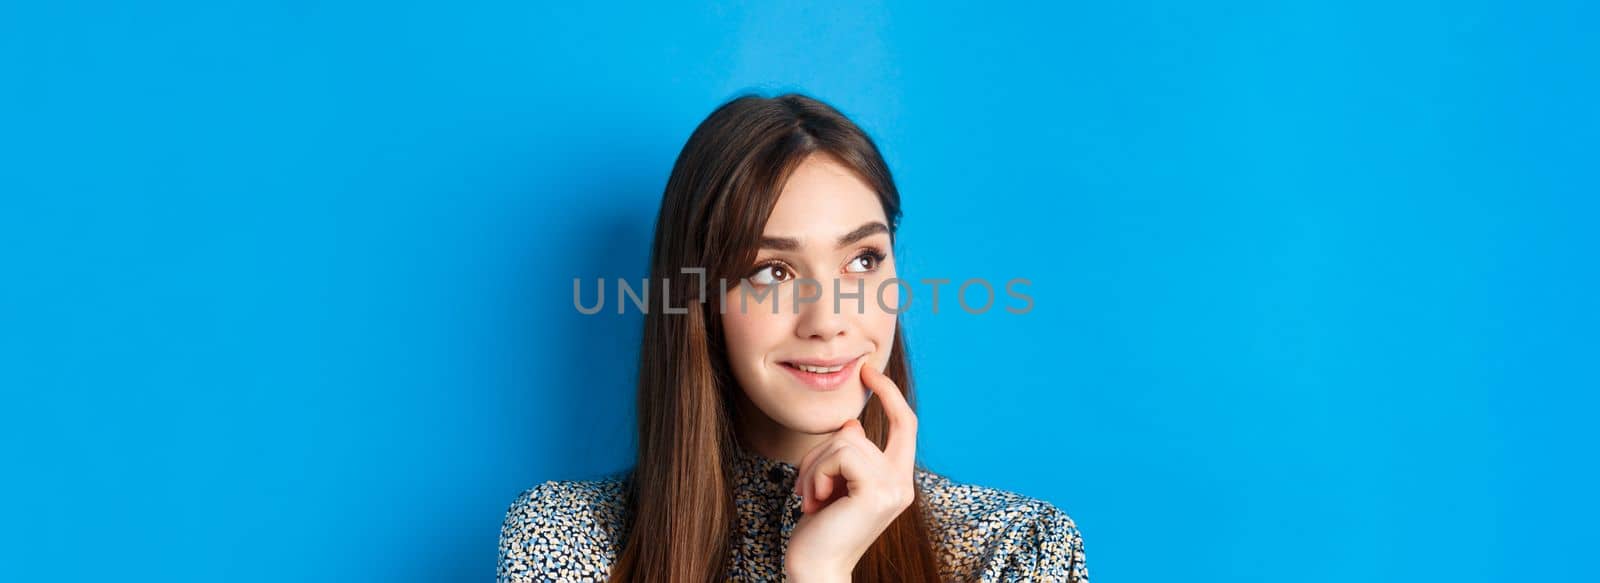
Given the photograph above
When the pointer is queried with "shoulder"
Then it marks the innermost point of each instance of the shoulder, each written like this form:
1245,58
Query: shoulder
562,529
989,534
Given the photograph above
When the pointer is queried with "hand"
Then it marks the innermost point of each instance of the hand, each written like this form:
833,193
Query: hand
851,491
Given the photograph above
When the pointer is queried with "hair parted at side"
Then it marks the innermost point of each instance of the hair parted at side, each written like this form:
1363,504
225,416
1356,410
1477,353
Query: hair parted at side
724,185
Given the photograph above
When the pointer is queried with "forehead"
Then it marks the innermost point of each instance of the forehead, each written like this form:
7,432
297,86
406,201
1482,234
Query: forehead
822,199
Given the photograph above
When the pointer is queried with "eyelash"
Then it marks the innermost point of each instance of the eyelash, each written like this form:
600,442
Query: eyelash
877,260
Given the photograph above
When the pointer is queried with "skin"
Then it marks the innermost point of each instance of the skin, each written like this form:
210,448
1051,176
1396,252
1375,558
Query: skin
851,490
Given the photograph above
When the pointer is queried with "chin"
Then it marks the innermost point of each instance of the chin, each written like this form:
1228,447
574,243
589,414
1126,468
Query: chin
826,411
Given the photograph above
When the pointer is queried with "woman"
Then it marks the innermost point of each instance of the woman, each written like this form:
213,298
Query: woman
762,454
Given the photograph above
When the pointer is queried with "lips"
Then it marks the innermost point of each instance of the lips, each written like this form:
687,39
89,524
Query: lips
822,374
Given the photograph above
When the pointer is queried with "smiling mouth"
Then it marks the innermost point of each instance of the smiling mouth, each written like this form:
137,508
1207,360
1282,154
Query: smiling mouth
822,375
816,369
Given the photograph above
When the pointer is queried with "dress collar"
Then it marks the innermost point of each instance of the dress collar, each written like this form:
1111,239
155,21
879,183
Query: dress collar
764,488
755,469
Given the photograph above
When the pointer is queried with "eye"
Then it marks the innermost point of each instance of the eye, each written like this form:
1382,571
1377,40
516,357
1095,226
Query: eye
866,262
770,274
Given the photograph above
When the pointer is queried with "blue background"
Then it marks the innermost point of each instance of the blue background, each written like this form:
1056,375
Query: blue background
287,286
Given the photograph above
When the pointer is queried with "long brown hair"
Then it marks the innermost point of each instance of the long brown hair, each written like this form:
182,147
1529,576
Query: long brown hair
721,191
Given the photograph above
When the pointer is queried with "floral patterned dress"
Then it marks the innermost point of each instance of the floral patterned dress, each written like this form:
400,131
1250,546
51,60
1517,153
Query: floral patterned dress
570,530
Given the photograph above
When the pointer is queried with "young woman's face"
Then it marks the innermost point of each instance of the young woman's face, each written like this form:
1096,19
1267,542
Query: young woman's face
828,226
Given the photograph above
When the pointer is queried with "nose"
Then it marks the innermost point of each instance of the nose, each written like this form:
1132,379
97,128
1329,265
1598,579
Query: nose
820,321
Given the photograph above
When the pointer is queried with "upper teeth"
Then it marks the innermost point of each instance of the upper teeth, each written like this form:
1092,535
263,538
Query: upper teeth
818,369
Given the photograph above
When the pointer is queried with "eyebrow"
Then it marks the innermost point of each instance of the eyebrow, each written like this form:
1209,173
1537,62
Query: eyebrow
790,244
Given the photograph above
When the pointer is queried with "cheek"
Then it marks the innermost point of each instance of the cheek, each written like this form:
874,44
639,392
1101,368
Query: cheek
880,327
885,292
884,301
881,316
750,336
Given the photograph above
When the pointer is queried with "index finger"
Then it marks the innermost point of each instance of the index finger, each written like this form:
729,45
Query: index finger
902,443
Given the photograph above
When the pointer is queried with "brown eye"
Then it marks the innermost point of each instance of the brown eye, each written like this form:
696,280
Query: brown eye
769,275
865,262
